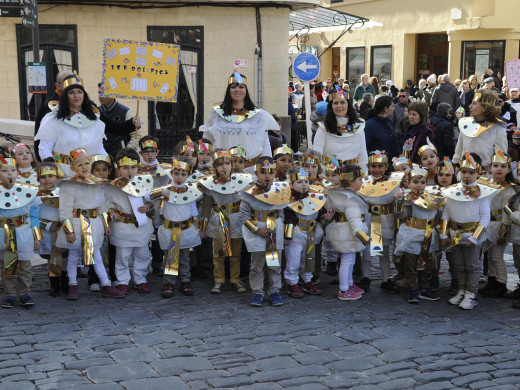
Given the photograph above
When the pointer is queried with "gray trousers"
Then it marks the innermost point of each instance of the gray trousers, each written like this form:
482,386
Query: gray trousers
496,263
24,278
467,264
184,268
256,274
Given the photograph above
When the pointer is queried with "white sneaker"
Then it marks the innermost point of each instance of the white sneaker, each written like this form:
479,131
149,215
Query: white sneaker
457,299
217,288
95,287
469,301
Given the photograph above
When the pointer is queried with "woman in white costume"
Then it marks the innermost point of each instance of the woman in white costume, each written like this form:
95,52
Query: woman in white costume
342,134
237,121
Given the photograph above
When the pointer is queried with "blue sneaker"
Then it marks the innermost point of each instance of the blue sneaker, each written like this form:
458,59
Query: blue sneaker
413,296
26,301
428,295
8,302
256,300
276,299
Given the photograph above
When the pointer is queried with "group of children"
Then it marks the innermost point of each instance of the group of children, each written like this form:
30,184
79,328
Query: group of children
289,215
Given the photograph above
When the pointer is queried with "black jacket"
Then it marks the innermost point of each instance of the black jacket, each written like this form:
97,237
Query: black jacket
467,100
444,138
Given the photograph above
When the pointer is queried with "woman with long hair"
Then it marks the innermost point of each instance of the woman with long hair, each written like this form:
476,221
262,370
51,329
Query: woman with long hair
418,131
237,121
380,132
342,135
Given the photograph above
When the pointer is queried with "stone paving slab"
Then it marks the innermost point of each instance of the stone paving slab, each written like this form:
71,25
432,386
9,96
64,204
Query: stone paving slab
220,342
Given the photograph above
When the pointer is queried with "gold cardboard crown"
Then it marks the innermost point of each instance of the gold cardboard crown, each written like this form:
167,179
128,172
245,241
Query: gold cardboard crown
266,167
312,157
17,147
220,154
300,175
102,157
72,80
499,157
399,161
238,151
378,157
428,146
74,154
351,175
149,143
176,164
338,95
189,147
127,162
205,146
469,163
240,80
7,162
46,170
418,171
283,150
485,98
446,167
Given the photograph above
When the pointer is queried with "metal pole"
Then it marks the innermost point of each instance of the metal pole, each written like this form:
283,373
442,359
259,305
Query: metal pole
36,52
307,97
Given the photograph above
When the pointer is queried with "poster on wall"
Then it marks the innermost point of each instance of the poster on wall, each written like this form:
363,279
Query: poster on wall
481,61
513,74
382,63
140,70
36,77
356,64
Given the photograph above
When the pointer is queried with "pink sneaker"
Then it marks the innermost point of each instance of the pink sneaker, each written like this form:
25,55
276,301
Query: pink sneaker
348,295
356,289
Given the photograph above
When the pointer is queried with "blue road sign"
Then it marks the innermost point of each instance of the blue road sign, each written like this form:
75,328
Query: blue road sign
306,66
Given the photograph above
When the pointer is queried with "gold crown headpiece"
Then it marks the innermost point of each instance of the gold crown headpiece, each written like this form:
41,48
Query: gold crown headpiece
378,157
401,160
266,167
418,171
338,94
204,146
47,170
189,147
220,154
500,157
331,164
72,80
312,157
428,146
7,162
238,151
486,98
446,167
74,154
17,147
283,150
126,162
300,175
149,143
176,164
352,175
237,78
102,157
469,163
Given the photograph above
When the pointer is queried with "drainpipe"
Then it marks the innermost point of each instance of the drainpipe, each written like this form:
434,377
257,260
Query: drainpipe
259,74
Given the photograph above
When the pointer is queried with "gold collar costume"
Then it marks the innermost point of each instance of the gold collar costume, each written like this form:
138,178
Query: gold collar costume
158,170
236,116
278,194
237,183
138,186
471,128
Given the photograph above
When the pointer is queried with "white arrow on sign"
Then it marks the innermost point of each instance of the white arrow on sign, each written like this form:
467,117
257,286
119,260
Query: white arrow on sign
303,66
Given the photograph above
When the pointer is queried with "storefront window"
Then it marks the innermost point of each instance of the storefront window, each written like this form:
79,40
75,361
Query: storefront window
381,63
355,64
482,55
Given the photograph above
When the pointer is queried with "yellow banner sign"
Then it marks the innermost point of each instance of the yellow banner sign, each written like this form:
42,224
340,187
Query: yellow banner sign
140,70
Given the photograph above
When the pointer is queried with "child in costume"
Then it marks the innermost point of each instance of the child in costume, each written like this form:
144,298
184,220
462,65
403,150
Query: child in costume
20,240
302,233
131,228
25,162
467,214
238,159
496,232
49,216
283,158
380,190
428,157
204,155
84,220
189,150
178,233
219,218
417,238
348,233
261,216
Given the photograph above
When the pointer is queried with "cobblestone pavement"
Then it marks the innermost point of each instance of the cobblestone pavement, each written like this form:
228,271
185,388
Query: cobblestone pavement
208,341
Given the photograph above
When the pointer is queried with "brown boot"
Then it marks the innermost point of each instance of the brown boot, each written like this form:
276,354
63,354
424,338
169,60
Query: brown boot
73,293
111,292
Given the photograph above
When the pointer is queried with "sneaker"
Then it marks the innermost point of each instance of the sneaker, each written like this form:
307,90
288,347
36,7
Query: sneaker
413,296
256,300
217,288
497,291
310,288
348,295
122,288
457,299
95,287
388,286
238,286
167,291
111,292
356,289
332,268
186,289
276,299
482,278
454,287
8,302
143,288
73,293
364,284
469,301
515,294
428,295
26,301
295,291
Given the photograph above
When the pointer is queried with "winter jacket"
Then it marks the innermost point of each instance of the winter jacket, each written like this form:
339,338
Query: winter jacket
446,93
380,135
420,132
399,112
467,100
360,91
444,139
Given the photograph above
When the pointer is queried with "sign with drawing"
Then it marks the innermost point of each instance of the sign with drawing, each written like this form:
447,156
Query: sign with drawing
140,70
513,73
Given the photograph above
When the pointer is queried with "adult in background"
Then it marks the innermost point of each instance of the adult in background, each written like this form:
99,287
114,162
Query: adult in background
418,130
446,93
342,135
402,103
375,84
442,121
482,132
466,96
119,113
237,121
363,87
412,89
421,87
366,105
507,112
489,83
318,116
473,82
295,139
379,128
319,92
276,137
392,89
